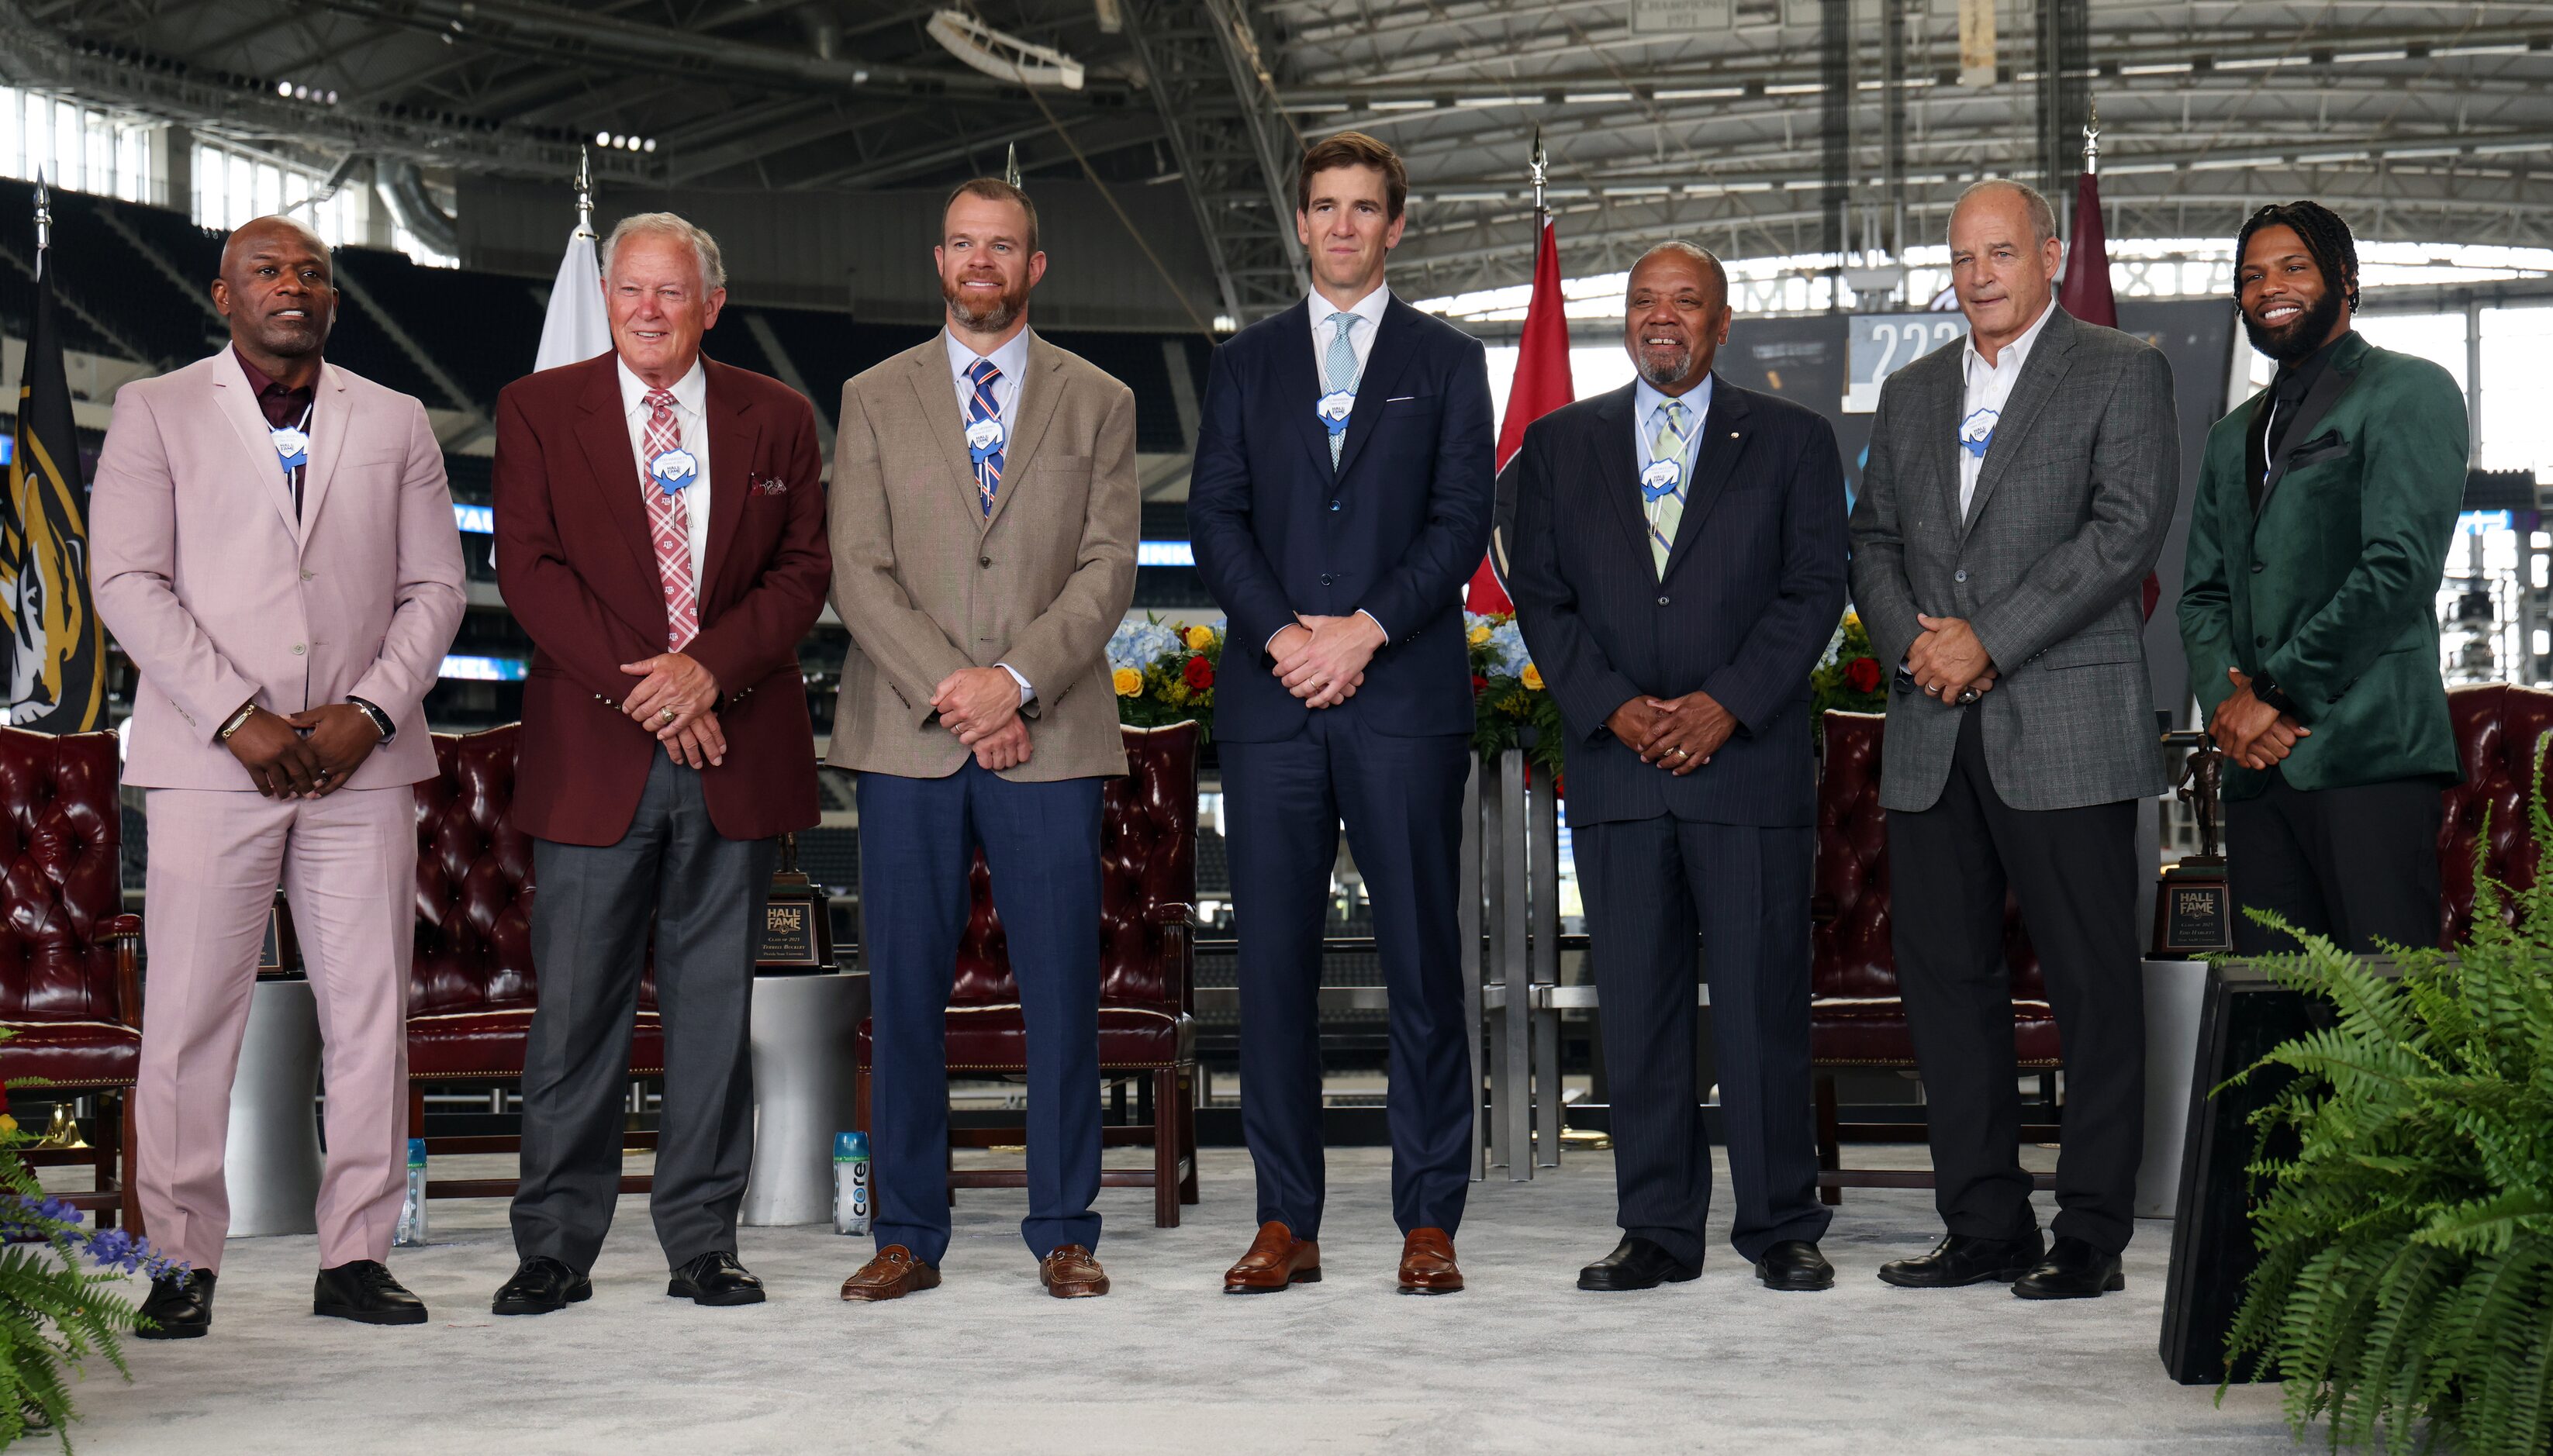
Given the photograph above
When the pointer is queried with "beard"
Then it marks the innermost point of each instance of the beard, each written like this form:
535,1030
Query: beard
1661,374
986,318
2295,341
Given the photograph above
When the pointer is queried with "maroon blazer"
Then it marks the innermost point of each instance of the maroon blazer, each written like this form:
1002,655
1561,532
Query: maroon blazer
576,564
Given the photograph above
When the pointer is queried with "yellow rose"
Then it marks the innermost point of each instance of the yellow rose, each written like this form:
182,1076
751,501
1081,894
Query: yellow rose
1480,633
1853,619
1130,683
1201,637
1531,677
8,1123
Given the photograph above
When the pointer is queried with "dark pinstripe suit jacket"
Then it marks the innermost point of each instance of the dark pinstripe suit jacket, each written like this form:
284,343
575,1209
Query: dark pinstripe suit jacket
1752,590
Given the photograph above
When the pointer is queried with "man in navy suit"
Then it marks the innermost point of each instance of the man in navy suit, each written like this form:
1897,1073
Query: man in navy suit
1678,564
1340,502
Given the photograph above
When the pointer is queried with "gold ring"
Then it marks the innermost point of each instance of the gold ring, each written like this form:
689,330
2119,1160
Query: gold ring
669,716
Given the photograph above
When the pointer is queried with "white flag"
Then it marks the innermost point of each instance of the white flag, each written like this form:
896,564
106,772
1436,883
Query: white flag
576,329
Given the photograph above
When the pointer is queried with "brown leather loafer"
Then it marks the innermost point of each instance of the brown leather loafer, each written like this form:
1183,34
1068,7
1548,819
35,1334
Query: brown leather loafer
1427,1262
1070,1272
892,1274
1276,1258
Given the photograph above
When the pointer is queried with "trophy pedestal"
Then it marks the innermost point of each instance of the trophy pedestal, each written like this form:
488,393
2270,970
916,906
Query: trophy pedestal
797,920
2193,909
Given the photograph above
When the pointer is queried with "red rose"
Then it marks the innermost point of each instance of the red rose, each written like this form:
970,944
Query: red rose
1479,684
1200,674
1862,674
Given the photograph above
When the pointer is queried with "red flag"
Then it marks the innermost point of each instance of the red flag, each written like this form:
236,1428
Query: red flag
2085,293
1541,387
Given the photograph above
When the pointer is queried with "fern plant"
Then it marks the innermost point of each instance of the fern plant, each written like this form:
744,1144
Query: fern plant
2406,1281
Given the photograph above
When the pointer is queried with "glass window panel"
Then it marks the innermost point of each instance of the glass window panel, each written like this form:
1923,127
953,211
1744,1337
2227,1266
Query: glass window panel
2516,429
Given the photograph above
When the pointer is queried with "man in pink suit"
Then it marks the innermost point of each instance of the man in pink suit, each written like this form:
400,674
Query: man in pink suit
272,545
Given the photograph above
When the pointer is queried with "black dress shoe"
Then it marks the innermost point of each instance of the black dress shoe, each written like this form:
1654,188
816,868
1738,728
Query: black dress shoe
1794,1264
175,1311
1637,1264
363,1292
2073,1269
1960,1259
540,1284
715,1278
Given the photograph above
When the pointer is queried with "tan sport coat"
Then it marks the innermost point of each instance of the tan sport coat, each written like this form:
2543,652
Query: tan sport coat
926,583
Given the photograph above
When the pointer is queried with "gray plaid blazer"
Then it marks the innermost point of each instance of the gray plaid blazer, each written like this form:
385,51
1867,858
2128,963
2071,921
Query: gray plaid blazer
2070,514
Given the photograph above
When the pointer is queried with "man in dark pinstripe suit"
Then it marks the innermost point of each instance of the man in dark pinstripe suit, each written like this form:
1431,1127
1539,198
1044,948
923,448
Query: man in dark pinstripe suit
1678,564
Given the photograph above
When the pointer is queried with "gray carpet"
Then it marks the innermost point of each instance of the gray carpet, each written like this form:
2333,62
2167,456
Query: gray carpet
1522,1361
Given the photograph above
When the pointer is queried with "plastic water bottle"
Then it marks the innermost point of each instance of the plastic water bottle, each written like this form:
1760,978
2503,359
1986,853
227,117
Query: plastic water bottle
411,1219
851,1182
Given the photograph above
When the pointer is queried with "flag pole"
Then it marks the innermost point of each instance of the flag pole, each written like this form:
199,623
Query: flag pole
2092,138
44,221
1011,165
584,192
1536,162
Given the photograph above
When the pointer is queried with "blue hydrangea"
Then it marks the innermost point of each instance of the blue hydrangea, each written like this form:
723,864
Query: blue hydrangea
1138,644
1504,651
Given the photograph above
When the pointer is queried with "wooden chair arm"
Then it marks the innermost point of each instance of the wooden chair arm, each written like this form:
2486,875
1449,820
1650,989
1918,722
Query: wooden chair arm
1179,948
125,933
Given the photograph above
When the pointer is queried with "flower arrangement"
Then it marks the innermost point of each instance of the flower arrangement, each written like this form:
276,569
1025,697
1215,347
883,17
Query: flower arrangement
1164,672
1849,677
1512,707
55,1314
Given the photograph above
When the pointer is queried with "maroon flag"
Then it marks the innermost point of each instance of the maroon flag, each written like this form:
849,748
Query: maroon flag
2084,293
1542,385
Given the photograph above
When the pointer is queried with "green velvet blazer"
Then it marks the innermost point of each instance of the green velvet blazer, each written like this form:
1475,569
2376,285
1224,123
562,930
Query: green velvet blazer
2331,589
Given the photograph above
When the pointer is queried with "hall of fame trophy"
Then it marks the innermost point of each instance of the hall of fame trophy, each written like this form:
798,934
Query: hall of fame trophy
797,922
2193,902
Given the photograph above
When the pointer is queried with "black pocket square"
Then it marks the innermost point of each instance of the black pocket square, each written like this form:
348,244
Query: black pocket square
2322,447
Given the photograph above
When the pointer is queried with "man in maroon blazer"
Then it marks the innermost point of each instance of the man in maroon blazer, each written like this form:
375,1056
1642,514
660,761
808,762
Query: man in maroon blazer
660,533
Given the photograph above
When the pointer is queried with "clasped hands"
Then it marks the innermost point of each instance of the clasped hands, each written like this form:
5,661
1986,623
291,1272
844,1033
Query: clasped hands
981,706
1948,660
1678,734
1322,659
677,700
304,755
2251,731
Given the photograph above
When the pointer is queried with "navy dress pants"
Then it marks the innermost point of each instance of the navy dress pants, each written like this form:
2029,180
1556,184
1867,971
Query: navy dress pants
1040,841
1401,799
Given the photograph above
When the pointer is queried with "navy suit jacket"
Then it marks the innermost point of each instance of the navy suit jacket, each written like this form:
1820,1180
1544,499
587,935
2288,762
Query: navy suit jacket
1395,530
1754,586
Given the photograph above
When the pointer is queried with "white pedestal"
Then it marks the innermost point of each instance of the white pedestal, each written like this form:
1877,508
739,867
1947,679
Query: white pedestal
2175,993
272,1160
803,1063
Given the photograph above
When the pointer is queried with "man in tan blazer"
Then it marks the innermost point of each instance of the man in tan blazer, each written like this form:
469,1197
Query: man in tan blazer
984,515
273,546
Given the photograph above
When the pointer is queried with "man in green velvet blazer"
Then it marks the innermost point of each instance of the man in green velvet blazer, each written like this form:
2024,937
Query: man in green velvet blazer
2325,507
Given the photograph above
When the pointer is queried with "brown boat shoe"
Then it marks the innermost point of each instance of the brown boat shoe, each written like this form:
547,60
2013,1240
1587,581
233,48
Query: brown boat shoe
1070,1271
1276,1258
892,1274
1427,1262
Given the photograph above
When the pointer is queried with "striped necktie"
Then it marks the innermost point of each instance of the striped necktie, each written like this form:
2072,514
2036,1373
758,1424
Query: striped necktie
1667,510
981,406
1339,370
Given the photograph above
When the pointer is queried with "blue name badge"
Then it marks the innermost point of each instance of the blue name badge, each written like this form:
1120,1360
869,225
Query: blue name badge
1334,409
672,469
291,447
1660,479
1976,432
984,440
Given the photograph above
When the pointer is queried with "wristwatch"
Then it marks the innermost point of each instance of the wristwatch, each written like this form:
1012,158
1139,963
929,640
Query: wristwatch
238,721
381,721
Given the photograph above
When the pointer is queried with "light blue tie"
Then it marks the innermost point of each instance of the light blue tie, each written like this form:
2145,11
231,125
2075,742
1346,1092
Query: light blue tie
1339,370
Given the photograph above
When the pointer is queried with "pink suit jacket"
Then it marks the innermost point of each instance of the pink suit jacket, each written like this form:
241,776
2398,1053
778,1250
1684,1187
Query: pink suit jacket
220,594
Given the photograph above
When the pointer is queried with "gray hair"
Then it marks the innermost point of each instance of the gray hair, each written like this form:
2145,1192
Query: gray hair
2043,218
669,225
1710,262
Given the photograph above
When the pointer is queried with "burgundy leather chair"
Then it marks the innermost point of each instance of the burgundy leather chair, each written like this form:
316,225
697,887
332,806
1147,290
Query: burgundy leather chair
2499,729
1857,1017
70,995
471,988
1146,969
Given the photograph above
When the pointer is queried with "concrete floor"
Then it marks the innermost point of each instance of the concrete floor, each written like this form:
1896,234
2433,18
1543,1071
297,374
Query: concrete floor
1522,1361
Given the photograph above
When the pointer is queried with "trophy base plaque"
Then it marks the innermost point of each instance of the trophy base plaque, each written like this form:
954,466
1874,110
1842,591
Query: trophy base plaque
2193,909
796,921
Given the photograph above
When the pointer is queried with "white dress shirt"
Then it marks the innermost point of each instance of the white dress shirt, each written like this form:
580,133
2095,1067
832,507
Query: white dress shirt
1989,386
1012,358
1369,311
691,399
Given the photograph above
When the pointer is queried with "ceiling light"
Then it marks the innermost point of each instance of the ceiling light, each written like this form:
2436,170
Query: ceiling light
651,145
284,89
602,138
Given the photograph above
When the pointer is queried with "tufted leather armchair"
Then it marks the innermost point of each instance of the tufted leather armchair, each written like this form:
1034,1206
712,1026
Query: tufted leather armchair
1857,1017
472,987
70,994
2499,730
1147,966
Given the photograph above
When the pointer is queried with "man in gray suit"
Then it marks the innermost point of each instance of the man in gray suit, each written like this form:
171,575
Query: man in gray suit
2017,491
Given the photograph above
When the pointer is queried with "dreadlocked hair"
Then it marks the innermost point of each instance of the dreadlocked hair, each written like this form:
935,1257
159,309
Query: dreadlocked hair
2325,236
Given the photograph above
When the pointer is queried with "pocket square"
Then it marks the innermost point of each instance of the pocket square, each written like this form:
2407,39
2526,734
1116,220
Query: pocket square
770,488
2323,447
